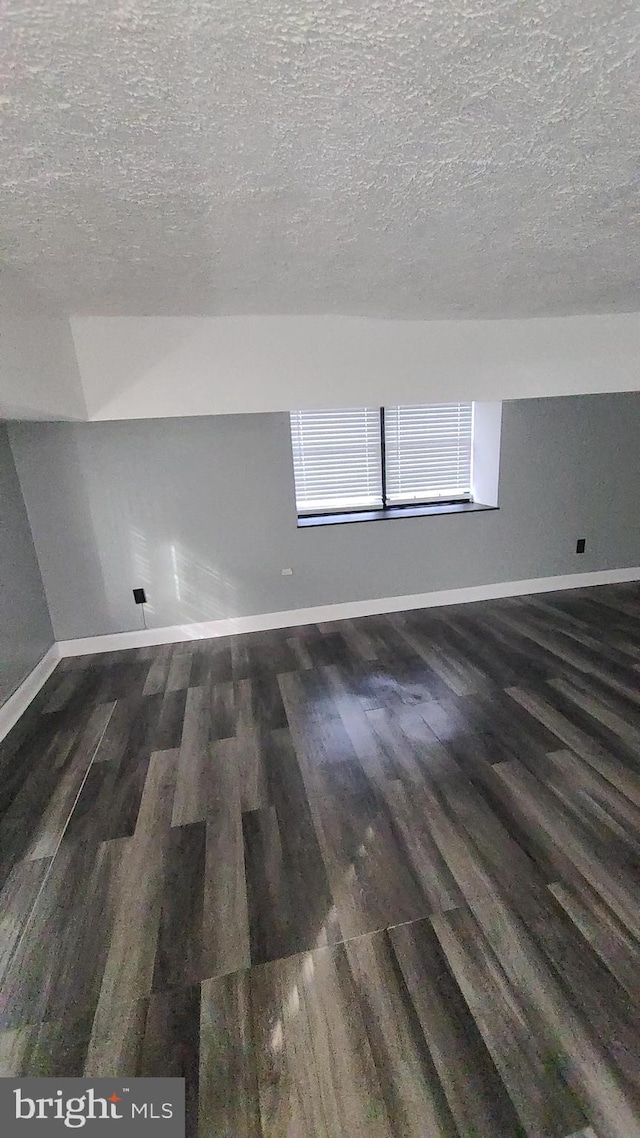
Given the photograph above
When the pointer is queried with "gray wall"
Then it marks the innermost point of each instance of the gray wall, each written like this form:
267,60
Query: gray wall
25,628
201,513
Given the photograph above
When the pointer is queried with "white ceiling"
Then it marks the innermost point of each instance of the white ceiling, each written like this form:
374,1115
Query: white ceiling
406,158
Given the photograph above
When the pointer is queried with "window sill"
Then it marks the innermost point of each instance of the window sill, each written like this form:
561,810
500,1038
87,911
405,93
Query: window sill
392,512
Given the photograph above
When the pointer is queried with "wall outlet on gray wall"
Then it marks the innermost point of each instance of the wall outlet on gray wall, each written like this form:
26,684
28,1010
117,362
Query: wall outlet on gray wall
580,544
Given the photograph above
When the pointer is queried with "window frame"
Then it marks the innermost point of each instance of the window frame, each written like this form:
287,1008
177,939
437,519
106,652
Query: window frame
371,421
426,507
395,464
307,521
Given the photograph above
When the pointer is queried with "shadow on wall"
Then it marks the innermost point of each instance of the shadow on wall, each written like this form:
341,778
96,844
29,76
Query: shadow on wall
135,360
183,588
112,549
60,514
202,592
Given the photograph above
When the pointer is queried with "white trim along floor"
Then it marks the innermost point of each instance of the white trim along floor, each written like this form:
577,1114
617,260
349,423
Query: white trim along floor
14,707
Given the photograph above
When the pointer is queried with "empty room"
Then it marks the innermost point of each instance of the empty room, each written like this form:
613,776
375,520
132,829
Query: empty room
320,568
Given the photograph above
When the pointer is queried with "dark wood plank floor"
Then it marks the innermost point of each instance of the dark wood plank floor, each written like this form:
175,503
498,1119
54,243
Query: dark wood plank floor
379,877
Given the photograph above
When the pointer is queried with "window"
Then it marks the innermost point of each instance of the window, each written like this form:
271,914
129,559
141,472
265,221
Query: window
379,458
428,452
337,460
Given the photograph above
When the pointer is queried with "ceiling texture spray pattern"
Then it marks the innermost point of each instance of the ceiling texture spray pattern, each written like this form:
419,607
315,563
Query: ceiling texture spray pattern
394,158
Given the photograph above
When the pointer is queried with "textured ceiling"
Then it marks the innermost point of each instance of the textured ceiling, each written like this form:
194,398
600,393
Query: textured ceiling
415,158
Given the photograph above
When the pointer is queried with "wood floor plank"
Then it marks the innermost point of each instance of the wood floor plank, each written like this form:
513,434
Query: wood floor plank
350,1090
608,937
615,771
355,719
229,1105
529,1065
601,710
328,761
300,652
55,969
420,850
311,902
211,662
283,917
571,847
194,756
115,740
168,734
54,817
209,773
180,950
179,674
156,678
402,760
18,896
225,917
372,879
271,920
596,995
414,1098
580,787
129,968
431,762
475,1094
223,711
55,1049
171,1045
289,1085
108,803
249,732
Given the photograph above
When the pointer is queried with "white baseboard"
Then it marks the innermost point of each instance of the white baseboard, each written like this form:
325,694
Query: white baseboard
17,704
343,611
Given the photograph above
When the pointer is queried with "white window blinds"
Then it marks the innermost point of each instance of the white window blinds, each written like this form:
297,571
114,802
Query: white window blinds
428,452
337,459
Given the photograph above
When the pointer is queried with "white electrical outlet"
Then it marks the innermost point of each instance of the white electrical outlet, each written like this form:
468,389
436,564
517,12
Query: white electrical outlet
287,572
